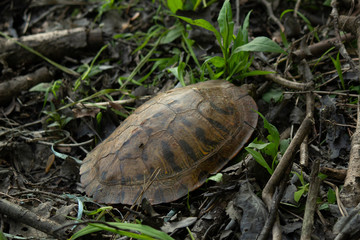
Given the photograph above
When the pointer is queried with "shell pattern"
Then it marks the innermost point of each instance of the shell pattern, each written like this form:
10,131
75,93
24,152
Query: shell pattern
186,134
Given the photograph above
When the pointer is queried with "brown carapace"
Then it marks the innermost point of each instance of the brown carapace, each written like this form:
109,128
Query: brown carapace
186,134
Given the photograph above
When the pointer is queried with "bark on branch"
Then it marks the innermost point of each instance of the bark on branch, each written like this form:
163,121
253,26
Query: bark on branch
54,45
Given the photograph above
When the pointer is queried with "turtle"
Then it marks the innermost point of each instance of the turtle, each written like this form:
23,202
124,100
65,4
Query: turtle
171,144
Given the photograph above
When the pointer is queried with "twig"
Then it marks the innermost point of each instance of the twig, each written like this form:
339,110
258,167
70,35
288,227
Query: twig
319,48
304,147
297,6
23,215
310,207
283,166
271,14
107,104
273,213
340,205
326,93
286,160
282,81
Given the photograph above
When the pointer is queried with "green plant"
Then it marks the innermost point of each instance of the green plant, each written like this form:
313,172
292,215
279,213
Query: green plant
55,119
47,88
303,189
271,148
108,5
331,196
123,229
307,21
273,95
188,5
337,65
136,231
235,58
89,70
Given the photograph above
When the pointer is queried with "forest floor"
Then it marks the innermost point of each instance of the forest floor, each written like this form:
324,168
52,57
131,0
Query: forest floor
73,71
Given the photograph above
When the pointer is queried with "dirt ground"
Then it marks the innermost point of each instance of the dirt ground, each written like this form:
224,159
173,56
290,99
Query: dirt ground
73,71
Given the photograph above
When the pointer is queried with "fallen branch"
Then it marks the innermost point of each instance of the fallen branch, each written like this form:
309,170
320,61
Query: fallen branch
350,194
286,161
283,166
54,45
318,49
311,205
14,86
30,218
282,81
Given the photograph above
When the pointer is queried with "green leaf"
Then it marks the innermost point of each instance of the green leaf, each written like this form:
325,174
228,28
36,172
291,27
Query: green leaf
300,176
260,44
204,24
324,206
245,28
41,87
199,22
308,23
298,194
259,158
179,72
255,73
284,144
146,231
217,61
331,196
337,65
272,148
98,118
226,24
189,44
2,236
273,95
175,5
216,178
322,176
172,34
258,146
274,135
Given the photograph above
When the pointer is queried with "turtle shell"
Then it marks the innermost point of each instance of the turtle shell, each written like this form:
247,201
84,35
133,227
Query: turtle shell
185,134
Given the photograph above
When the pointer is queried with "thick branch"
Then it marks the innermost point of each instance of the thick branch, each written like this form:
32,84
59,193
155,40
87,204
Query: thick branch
54,45
14,86
27,217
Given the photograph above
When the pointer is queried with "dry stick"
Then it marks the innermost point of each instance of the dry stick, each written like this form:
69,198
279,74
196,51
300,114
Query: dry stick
273,215
271,14
334,173
304,149
297,6
350,194
340,205
108,104
310,207
284,164
319,48
28,217
282,81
